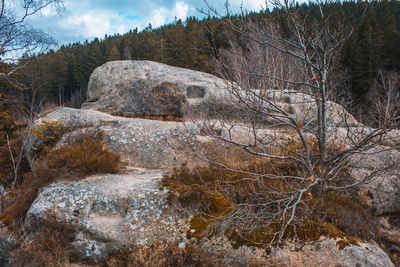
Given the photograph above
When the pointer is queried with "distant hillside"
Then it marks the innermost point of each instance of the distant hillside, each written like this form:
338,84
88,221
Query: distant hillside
374,45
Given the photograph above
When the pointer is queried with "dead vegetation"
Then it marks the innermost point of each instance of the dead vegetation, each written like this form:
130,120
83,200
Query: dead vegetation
85,157
50,246
230,199
163,255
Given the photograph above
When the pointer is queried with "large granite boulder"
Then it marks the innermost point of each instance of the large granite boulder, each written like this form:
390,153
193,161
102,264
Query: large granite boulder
146,88
326,253
156,144
378,172
110,212
322,253
150,89
140,142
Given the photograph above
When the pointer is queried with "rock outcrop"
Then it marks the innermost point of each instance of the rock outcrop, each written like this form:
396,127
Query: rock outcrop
146,143
110,212
150,89
323,253
326,253
146,88
113,212
381,189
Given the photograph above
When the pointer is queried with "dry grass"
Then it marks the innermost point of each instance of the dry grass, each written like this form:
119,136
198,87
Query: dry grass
51,246
85,157
217,193
347,215
163,255
6,164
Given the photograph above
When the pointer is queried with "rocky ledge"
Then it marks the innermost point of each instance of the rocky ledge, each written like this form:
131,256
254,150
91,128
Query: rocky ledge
110,212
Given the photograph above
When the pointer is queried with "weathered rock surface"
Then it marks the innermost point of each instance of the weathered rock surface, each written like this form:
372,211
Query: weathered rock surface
113,212
7,242
323,253
378,170
145,143
132,88
326,253
110,212
152,144
146,88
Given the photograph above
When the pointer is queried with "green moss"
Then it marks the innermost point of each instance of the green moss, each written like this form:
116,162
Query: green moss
347,215
305,232
217,206
209,188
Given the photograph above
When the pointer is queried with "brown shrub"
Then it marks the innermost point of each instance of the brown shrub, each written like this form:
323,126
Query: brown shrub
20,198
346,214
216,192
162,255
73,162
304,231
7,126
83,158
51,246
163,100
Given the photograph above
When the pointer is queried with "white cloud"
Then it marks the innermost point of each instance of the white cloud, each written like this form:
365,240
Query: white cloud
158,17
255,4
250,5
180,10
163,15
94,23
49,11
86,19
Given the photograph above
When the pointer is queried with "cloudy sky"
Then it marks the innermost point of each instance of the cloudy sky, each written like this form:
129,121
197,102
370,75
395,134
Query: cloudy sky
87,19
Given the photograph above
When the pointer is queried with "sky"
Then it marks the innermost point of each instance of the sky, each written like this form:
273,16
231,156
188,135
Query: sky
82,20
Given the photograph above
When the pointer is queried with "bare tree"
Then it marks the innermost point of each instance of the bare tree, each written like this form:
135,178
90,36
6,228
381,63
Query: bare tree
19,41
17,38
385,96
268,75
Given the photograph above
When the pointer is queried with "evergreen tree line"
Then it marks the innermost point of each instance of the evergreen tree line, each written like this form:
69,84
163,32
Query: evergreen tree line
62,76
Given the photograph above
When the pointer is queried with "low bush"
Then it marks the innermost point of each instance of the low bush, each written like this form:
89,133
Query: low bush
224,198
347,215
51,246
162,255
85,157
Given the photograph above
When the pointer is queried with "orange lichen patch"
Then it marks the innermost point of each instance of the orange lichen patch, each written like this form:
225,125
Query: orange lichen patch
47,133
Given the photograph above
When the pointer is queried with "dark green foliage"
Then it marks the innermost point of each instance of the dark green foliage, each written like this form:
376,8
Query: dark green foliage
192,44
